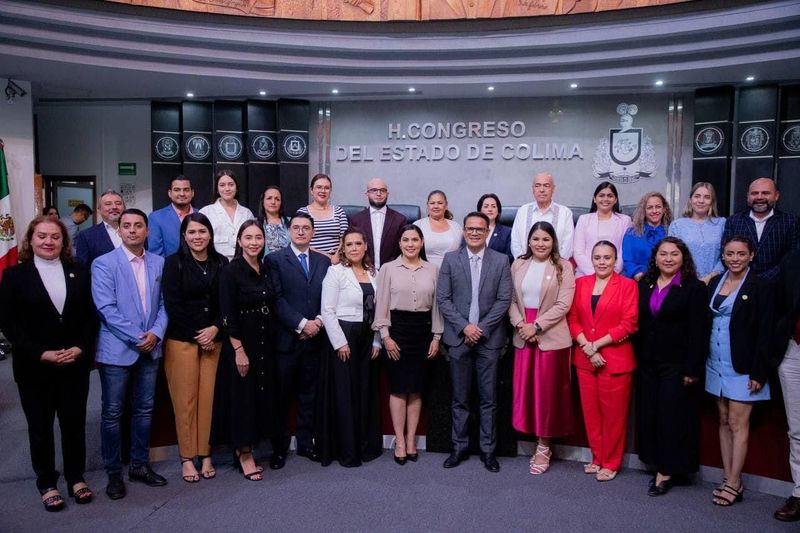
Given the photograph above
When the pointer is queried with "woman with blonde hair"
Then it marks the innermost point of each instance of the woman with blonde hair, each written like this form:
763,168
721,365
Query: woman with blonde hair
650,221
700,228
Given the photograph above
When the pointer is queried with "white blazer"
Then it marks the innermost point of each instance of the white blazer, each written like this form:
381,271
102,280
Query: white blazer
225,230
342,299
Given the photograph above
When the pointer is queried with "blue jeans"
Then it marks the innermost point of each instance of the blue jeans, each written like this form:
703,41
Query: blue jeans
115,380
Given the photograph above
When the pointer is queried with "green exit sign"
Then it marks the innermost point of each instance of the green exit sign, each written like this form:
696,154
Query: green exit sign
126,169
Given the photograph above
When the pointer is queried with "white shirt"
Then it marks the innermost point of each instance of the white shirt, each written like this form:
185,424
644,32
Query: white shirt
532,284
52,274
439,243
225,229
761,222
523,223
139,274
113,234
377,218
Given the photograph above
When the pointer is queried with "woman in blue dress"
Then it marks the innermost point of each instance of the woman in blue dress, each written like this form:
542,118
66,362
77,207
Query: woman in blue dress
650,222
736,370
700,228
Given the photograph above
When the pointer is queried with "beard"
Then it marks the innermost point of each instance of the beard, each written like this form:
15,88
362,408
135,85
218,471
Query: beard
762,206
377,205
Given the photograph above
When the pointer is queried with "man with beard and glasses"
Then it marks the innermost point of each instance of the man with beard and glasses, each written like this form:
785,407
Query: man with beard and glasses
102,237
774,232
380,224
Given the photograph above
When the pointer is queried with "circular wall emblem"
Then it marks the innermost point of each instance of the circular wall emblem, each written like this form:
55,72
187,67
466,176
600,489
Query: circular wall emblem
754,139
295,146
791,139
230,147
263,146
709,139
198,147
167,148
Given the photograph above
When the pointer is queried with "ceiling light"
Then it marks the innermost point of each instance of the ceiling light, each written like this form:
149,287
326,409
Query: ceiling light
490,88
262,92
335,91
750,78
189,95
573,85
412,89
659,83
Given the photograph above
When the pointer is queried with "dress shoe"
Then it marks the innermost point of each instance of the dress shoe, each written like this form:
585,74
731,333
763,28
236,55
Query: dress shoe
490,462
659,489
116,487
455,459
400,460
277,461
790,512
309,453
412,457
146,475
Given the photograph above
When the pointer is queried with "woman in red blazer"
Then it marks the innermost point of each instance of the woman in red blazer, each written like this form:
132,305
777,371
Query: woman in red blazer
603,316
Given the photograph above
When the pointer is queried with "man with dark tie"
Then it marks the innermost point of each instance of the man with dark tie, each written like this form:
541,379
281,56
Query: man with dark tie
165,223
296,273
126,287
773,232
102,237
474,293
380,224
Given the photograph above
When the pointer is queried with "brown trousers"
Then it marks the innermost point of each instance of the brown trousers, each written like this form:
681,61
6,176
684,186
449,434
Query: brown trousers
191,373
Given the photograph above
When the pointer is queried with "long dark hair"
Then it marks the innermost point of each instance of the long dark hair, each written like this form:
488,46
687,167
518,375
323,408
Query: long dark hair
688,269
183,248
246,224
494,197
261,209
366,262
412,227
555,256
605,185
25,250
225,172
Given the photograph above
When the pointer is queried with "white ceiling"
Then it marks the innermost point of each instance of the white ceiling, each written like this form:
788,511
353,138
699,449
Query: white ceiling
93,50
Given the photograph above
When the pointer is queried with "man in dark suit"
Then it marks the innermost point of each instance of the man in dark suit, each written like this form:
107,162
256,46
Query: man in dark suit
381,224
474,293
102,237
165,223
774,232
787,350
296,273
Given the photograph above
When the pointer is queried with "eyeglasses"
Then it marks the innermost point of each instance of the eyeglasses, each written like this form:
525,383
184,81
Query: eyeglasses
301,228
378,191
474,230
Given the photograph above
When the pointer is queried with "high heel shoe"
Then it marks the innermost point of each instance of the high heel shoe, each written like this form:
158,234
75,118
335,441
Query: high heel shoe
412,457
54,502
250,476
189,478
400,460
83,495
211,473
540,468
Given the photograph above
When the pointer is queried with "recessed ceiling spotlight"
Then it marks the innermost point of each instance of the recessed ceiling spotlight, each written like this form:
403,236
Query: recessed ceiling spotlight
189,95
412,89
335,91
659,83
490,88
262,92
573,85
750,78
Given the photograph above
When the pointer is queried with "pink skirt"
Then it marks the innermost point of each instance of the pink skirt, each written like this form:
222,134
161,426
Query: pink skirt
542,390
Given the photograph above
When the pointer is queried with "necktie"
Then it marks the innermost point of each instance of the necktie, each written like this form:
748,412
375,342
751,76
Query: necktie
304,264
475,274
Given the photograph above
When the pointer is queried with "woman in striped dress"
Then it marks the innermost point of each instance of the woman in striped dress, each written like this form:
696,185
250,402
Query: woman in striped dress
330,221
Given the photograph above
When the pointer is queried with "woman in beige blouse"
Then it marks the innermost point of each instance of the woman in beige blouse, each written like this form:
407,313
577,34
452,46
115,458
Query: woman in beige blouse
410,326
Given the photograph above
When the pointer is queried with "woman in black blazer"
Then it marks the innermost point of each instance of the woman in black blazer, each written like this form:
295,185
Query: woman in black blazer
671,347
46,311
192,345
736,369
499,235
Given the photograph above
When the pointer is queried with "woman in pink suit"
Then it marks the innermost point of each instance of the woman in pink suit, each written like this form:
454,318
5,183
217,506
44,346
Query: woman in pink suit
604,221
543,288
603,316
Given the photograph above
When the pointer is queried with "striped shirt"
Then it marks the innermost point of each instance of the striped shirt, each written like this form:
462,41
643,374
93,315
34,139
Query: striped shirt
328,231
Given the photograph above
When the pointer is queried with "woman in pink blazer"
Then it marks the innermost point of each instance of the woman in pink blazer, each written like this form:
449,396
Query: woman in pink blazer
543,288
603,316
604,221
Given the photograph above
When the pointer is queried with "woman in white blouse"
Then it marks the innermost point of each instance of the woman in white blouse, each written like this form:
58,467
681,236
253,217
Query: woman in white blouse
226,214
603,222
441,233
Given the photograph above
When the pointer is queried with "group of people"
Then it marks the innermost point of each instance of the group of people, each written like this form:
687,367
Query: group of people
253,314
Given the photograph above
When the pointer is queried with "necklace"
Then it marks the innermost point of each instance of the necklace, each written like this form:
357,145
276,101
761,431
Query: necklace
200,265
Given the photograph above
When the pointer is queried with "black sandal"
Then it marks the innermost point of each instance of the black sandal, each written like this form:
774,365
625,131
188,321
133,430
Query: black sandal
54,503
728,496
256,475
211,473
190,478
83,495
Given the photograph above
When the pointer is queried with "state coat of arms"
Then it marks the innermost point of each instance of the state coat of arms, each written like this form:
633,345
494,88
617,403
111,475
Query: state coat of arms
627,154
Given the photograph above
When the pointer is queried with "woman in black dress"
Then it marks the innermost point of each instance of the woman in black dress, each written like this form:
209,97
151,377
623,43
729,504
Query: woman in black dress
241,396
193,340
348,411
671,348
47,314
410,326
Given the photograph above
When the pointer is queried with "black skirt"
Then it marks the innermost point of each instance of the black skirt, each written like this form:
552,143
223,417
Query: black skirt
412,333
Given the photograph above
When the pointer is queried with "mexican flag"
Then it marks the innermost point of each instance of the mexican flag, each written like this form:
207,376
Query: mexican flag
8,244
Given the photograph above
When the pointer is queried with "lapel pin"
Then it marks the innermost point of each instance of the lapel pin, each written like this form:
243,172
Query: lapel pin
72,275
744,297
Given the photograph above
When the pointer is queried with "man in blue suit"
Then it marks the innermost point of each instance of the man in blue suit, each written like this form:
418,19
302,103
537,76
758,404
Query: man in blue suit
102,237
296,273
126,286
165,223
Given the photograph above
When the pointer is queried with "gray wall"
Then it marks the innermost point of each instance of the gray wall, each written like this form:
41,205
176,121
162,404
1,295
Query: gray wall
574,121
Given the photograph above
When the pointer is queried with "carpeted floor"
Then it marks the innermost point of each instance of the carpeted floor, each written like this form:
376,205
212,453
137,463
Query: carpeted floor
380,496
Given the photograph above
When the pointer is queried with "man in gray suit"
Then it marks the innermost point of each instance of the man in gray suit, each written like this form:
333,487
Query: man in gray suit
474,293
